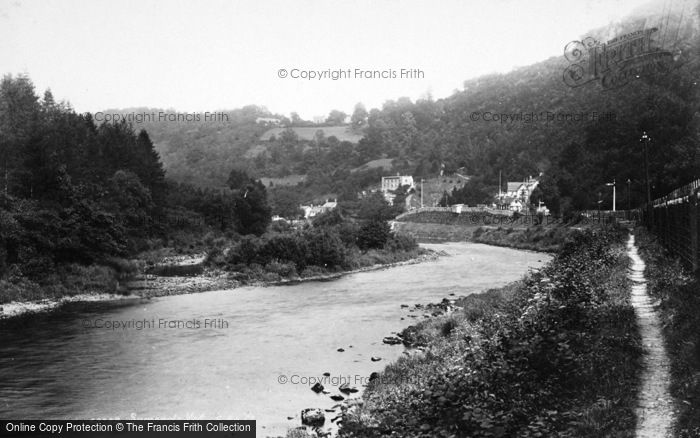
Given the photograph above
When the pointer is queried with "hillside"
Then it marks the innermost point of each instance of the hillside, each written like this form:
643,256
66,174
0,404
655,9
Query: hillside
529,121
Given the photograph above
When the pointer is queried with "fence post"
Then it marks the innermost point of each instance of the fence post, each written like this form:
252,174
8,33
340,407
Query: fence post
693,201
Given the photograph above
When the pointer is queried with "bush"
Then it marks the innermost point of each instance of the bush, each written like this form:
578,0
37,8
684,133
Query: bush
246,251
325,248
373,234
284,270
401,242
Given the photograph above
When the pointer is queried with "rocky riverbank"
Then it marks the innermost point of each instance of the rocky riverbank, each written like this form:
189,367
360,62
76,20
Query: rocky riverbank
150,286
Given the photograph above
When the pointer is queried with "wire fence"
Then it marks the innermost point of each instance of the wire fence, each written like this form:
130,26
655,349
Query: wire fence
675,221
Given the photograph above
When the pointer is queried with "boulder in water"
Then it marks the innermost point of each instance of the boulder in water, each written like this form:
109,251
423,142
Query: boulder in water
312,417
347,389
392,340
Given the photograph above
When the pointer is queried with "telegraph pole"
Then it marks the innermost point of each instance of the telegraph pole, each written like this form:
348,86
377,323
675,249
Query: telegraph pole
421,193
614,194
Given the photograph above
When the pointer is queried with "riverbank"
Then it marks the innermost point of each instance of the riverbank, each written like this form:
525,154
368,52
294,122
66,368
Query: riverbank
151,286
556,354
547,238
542,238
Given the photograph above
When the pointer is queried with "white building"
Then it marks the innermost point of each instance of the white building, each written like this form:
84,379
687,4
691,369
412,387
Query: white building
268,121
391,183
314,210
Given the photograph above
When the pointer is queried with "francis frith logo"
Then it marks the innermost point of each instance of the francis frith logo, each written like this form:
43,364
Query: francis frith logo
616,61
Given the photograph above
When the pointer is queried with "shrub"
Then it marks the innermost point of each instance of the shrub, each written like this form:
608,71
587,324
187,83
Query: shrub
246,251
325,248
401,242
285,270
373,234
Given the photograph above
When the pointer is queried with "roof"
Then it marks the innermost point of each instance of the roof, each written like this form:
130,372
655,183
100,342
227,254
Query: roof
397,176
514,186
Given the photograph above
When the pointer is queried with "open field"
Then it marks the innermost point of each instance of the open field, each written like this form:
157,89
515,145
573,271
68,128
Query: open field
342,133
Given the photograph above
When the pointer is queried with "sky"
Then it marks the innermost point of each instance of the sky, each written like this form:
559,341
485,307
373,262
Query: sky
209,55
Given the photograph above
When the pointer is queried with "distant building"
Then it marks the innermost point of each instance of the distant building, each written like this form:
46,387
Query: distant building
517,195
268,121
391,183
313,210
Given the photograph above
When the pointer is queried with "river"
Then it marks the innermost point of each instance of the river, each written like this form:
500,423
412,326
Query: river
256,357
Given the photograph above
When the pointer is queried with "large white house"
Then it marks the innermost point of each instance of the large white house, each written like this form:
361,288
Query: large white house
391,183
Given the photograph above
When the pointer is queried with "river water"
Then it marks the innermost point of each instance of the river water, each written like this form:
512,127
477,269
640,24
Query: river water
247,353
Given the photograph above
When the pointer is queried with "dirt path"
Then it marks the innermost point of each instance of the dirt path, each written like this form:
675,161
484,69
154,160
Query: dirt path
655,405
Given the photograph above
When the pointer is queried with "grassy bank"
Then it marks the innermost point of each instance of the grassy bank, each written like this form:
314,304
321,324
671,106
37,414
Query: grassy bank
536,238
69,280
554,355
678,295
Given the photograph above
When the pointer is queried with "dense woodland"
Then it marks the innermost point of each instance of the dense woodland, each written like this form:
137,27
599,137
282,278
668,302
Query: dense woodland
79,193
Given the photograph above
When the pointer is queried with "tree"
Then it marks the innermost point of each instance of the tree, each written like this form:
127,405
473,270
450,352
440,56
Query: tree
473,192
19,112
328,219
373,235
336,117
359,117
252,214
237,179
325,248
400,195
375,207
285,201
296,120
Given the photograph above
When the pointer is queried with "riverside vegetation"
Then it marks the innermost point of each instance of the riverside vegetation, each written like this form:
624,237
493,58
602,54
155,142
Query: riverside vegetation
330,245
676,290
554,354
86,206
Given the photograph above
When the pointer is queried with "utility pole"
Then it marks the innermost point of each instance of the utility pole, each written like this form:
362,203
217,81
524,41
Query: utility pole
500,195
614,195
421,193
